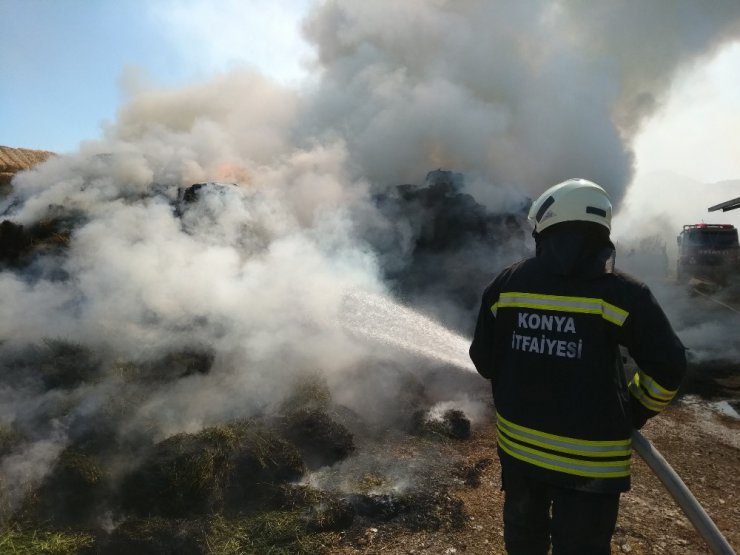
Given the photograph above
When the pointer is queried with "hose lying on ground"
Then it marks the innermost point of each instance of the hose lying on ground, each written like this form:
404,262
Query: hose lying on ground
681,494
716,301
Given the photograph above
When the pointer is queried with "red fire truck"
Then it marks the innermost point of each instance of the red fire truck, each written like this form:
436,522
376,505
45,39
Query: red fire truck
709,252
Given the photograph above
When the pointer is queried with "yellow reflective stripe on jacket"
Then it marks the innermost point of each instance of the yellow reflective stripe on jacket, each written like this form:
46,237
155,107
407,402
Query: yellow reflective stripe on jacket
575,456
564,444
649,392
586,305
578,467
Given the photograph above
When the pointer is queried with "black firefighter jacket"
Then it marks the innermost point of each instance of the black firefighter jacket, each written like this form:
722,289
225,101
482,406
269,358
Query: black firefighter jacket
548,337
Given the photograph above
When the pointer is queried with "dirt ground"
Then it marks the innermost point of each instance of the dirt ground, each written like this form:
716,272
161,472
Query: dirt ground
702,445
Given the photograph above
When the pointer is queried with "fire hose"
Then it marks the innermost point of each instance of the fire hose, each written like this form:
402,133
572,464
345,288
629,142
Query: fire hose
681,494
716,301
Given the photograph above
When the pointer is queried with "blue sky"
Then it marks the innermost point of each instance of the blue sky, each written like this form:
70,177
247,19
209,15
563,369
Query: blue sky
65,66
63,61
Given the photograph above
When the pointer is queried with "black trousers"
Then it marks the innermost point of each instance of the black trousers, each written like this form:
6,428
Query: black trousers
577,522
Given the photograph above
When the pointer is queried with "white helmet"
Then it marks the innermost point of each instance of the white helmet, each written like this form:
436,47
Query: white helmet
571,200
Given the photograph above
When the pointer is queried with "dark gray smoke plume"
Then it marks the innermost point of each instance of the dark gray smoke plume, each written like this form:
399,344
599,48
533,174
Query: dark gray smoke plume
187,314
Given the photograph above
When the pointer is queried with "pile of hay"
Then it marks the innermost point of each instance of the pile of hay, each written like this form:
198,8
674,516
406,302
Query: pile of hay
13,160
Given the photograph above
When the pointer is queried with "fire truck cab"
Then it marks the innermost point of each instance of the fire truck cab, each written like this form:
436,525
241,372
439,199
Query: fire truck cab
708,252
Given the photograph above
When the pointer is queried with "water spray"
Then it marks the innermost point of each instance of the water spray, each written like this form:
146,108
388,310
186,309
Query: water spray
381,319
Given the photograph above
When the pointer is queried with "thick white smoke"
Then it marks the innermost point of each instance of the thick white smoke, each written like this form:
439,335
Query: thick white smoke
516,95
529,93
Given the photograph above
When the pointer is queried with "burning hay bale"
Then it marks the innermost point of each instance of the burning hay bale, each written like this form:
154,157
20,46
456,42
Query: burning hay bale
321,440
20,245
174,366
452,424
308,392
71,493
48,365
308,421
403,393
12,241
66,365
98,433
456,237
232,467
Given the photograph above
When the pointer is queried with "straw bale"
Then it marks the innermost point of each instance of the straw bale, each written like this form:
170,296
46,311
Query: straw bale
13,160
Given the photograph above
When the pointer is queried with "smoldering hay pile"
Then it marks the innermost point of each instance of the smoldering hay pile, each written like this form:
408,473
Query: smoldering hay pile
135,320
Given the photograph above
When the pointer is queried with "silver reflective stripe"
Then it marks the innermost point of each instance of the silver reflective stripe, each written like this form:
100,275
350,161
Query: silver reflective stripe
614,314
646,401
649,392
654,388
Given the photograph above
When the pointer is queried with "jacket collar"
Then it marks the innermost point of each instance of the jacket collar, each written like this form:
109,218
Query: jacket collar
574,251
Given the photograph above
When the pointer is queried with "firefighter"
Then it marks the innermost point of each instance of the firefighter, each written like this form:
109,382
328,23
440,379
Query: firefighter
548,338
